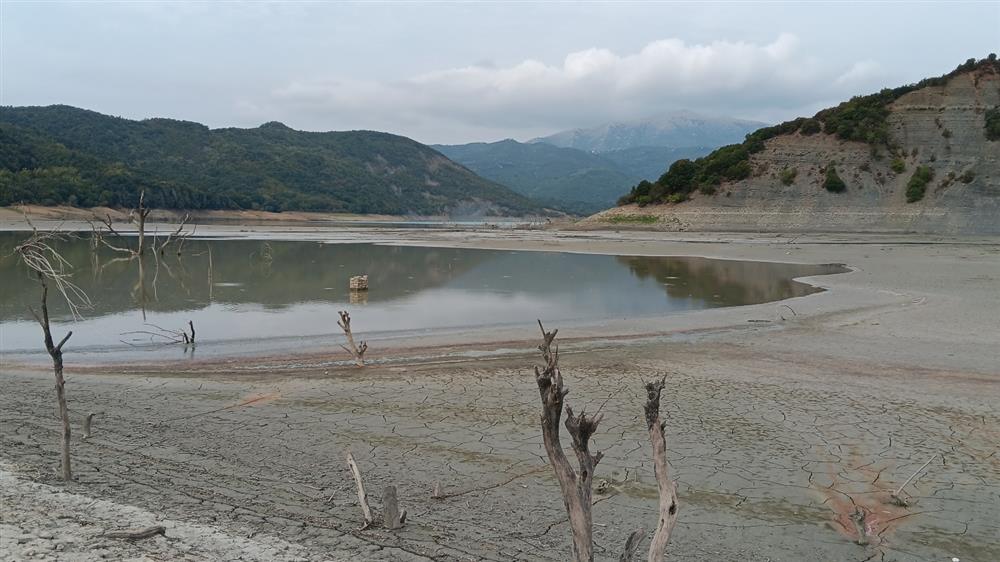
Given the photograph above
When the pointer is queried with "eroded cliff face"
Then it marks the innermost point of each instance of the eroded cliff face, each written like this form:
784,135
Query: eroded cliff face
941,127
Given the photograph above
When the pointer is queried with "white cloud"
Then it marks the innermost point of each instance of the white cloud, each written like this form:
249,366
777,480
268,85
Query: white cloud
734,78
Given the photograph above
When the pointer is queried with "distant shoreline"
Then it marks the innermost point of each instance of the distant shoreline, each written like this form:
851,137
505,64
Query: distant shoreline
61,212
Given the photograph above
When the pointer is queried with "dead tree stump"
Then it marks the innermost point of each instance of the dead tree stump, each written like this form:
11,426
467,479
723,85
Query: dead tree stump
661,468
357,351
394,518
575,484
366,510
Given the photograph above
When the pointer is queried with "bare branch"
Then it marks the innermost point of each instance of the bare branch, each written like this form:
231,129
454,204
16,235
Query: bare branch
897,495
632,545
66,337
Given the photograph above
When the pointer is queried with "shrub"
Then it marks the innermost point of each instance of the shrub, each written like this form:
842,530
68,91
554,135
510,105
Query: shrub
946,133
863,118
967,177
993,124
917,185
707,189
788,175
632,219
898,165
833,183
865,167
677,198
811,127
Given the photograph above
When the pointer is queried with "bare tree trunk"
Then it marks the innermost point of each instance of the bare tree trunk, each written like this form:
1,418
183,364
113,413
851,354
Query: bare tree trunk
666,486
140,216
576,486
55,351
357,351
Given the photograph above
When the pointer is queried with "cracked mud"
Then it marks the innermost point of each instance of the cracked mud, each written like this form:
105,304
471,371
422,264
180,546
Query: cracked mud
777,436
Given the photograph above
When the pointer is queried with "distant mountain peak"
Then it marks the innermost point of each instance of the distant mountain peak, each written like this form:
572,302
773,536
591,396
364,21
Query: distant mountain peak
674,129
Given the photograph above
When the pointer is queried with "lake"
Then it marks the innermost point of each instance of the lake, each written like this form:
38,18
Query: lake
250,296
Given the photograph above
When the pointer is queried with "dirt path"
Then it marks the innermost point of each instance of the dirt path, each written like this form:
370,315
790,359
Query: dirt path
778,431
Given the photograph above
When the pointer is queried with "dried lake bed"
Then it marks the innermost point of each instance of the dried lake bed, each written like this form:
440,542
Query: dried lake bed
782,421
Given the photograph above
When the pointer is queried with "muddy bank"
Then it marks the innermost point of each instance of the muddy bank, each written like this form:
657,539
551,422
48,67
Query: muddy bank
777,431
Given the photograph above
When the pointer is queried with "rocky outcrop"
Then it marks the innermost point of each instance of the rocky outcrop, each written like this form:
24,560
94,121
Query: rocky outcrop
939,127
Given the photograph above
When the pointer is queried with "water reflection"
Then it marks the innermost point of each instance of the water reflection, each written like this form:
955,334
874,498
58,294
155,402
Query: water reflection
244,290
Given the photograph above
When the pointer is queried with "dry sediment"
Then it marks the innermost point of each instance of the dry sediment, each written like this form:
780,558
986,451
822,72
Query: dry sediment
787,428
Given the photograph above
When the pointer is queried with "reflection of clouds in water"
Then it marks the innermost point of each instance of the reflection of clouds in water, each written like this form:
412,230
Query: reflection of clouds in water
412,289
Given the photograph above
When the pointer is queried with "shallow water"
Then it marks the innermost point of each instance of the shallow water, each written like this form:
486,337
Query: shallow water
240,293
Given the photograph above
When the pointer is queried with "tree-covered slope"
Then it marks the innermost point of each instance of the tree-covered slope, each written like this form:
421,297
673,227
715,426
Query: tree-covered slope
546,172
64,155
649,162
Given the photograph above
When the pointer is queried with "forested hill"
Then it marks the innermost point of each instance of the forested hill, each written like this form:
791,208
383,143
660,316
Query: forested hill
64,155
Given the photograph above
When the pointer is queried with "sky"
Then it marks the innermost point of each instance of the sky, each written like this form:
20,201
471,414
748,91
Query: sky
454,72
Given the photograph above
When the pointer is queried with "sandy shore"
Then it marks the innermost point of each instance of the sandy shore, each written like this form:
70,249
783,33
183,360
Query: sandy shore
780,424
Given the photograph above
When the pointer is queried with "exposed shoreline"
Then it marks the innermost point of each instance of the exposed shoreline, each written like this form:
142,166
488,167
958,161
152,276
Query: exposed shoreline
772,425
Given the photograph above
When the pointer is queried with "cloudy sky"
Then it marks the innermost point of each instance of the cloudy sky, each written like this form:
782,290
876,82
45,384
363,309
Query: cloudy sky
451,72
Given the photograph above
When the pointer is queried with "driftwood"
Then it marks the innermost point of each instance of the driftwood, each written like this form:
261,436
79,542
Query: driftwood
575,484
897,495
162,336
661,468
357,351
366,510
394,518
632,545
137,534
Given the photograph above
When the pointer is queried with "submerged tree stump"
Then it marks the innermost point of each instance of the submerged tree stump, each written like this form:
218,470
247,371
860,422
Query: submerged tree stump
359,283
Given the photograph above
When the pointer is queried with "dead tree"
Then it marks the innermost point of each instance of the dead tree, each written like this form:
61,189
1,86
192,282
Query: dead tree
138,216
177,234
667,487
49,266
358,352
575,484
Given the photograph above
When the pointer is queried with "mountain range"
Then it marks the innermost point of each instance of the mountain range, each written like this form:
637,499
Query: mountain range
64,155
586,170
674,129
566,178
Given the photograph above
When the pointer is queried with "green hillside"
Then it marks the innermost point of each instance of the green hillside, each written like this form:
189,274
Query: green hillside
64,155
545,172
